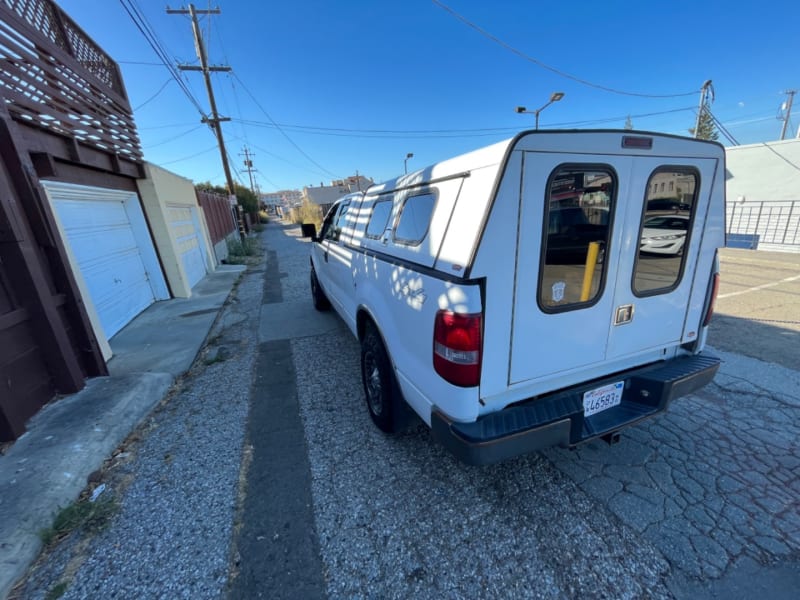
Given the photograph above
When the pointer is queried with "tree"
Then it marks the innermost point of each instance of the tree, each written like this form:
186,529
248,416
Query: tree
246,198
707,129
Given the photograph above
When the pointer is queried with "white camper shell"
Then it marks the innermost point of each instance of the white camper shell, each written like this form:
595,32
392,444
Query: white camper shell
513,297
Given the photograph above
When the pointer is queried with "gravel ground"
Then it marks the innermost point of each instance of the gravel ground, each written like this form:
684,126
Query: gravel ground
175,479
698,503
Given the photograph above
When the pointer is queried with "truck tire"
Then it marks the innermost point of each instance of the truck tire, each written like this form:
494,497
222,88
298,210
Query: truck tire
380,386
321,302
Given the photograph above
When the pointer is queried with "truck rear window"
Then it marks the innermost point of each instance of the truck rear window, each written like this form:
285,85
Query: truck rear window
666,227
577,225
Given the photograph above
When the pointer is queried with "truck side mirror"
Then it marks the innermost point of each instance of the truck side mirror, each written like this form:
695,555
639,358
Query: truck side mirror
309,230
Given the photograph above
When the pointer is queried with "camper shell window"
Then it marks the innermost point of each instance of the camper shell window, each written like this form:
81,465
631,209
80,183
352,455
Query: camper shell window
579,203
379,218
415,217
665,230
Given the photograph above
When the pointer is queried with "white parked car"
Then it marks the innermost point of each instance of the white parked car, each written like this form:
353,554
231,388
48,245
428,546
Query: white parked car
508,327
664,234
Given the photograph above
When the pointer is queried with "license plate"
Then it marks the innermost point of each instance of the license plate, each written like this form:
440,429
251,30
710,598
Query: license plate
598,400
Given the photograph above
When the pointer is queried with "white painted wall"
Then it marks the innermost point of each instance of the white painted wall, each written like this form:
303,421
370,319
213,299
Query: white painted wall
766,171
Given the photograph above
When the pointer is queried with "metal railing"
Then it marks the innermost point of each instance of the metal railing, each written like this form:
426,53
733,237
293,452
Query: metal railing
770,224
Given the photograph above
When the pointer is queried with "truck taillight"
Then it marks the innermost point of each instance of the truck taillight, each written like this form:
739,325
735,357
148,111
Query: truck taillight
457,347
713,299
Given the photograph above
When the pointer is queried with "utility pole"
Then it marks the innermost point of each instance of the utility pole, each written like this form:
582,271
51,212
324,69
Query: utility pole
215,120
703,94
248,164
788,114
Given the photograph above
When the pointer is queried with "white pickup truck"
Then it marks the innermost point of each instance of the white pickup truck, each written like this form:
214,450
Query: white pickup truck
514,298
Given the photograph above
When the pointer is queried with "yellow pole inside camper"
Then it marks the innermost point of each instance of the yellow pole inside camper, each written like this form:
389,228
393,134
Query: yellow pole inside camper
588,273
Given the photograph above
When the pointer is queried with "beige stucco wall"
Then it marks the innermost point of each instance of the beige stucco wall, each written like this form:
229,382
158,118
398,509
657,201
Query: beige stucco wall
766,171
163,195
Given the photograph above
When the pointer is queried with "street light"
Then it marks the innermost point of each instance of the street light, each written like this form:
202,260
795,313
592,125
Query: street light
405,161
555,97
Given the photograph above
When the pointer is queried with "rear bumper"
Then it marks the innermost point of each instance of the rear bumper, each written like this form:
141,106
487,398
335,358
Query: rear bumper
557,419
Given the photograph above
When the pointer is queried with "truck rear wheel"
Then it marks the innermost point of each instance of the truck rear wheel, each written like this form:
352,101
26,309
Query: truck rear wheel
377,375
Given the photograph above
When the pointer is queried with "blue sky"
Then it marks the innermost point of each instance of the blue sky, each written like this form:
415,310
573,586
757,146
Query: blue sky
355,85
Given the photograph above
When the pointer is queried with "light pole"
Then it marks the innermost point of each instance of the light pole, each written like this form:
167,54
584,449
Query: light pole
554,97
405,162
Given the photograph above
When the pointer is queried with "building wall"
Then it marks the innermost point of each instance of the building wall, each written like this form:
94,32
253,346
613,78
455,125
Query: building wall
766,171
326,195
282,198
162,192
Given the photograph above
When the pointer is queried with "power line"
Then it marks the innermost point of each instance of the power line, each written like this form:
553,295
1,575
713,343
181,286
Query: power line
543,65
146,30
207,150
167,126
721,127
175,137
235,170
441,133
153,97
281,158
278,127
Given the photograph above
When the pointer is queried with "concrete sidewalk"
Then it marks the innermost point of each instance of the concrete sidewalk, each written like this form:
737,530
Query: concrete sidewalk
47,467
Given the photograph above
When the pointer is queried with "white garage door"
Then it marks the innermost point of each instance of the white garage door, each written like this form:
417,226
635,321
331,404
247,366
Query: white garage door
187,237
104,231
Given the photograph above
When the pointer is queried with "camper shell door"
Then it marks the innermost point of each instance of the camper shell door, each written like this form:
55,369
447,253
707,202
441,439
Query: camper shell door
605,277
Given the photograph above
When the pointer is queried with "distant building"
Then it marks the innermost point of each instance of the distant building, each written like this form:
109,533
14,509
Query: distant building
671,185
285,199
326,195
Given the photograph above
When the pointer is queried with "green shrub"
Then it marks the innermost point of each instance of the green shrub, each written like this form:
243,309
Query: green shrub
308,212
238,247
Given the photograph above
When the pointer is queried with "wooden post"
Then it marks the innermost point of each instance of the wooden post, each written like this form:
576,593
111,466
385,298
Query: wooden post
27,259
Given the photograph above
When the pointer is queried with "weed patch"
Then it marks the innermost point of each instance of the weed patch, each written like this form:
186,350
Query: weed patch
57,591
88,516
239,247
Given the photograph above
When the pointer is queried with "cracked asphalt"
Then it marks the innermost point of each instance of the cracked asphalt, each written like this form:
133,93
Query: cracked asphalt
701,502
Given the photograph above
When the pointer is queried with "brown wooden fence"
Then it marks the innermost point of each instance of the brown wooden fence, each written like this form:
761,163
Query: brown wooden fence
219,215
56,77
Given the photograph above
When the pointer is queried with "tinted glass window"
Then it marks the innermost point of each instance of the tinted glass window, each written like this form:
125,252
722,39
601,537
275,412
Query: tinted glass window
579,202
334,232
414,219
327,223
381,211
665,230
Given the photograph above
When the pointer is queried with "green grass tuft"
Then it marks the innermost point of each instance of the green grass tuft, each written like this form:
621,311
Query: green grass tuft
90,516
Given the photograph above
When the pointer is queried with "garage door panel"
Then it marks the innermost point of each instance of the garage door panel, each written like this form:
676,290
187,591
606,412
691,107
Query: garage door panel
103,215
186,237
104,245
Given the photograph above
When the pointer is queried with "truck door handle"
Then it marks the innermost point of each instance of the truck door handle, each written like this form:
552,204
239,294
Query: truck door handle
325,255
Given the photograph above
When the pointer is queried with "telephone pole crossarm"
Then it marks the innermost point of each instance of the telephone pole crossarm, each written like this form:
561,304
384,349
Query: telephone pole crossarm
210,68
